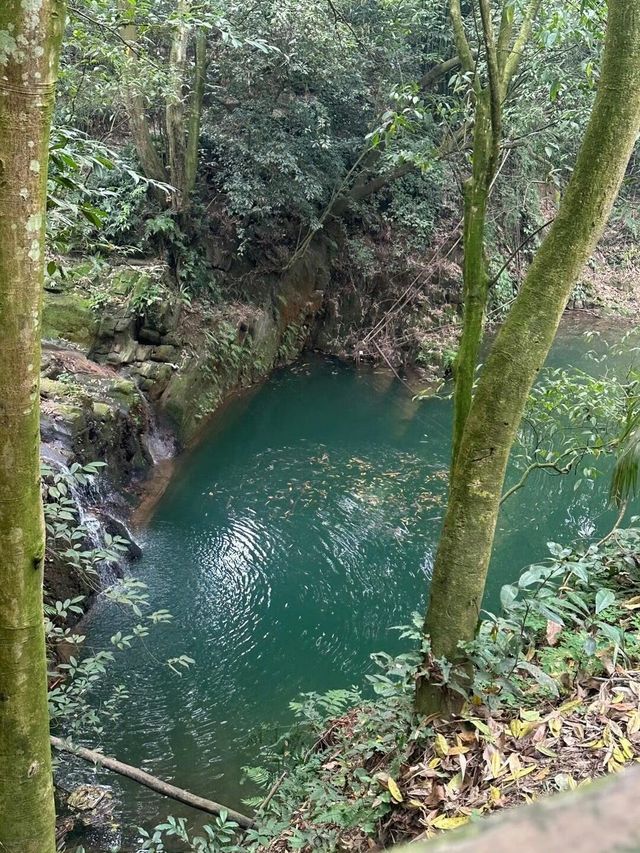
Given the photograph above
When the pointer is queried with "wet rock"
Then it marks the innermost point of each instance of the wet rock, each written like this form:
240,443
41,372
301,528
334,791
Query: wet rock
161,316
95,415
153,377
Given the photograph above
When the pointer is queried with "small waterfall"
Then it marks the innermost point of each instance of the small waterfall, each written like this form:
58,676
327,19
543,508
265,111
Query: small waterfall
90,501
159,441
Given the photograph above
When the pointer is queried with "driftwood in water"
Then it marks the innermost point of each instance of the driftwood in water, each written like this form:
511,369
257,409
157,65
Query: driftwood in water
151,782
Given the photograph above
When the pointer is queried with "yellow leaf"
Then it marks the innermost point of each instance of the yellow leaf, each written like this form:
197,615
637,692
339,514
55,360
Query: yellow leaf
514,762
494,794
519,774
619,755
434,763
458,750
633,723
494,761
515,727
626,747
554,726
441,745
530,716
416,804
546,751
392,785
454,784
570,706
442,822
632,603
483,728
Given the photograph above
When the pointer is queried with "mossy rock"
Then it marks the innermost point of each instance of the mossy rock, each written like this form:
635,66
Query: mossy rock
102,411
125,280
68,316
124,391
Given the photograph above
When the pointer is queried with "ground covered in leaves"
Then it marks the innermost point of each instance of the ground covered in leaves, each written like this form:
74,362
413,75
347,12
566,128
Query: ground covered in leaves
555,705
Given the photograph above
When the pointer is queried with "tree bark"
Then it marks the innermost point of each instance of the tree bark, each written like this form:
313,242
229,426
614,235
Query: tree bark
28,68
465,546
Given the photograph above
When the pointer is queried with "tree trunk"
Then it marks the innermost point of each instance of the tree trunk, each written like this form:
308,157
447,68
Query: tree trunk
174,109
475,278
150,159
521,348
28,67
195,114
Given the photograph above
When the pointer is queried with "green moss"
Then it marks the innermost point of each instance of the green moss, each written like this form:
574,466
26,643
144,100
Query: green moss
68,316
102,411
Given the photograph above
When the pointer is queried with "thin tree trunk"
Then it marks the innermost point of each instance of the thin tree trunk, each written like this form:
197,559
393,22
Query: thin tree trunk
174,110
28,68
501,66
475,278
521,347
195,114
136,108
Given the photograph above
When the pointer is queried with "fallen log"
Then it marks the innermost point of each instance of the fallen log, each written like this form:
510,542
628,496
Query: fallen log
151,782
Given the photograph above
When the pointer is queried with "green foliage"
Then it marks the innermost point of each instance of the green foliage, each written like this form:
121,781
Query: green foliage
415,202
291,342
69,543
344,781
216,837
67,535
577,423
94,194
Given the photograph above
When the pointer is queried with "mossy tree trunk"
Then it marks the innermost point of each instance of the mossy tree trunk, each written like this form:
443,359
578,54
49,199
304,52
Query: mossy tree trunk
31,33
134,100
477,478
195,112
502,58
185,85
182,125
174,109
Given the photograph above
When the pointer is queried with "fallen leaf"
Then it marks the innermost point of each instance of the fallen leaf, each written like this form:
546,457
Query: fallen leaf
443,822
441,746
395,792
553,632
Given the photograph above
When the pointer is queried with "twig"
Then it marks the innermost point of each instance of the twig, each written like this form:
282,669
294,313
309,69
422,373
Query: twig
151,782
114,32
393,370
517,251
623,508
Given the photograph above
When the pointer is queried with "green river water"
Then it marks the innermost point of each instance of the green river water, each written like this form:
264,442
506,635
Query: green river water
290,540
